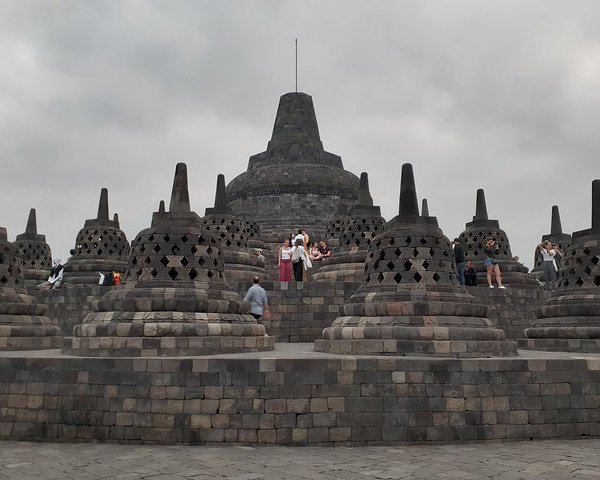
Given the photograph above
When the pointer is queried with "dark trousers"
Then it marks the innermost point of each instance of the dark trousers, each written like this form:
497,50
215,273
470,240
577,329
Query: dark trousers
298,270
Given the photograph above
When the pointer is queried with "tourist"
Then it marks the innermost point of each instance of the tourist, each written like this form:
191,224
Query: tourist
257,296
490,249
324,249
459,258
314,253
260,258
56,276
284,260
548,264
470,274
298,259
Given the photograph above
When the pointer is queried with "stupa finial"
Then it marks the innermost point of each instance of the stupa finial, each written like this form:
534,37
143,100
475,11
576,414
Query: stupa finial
480,206
31,223
180,196
220,195
408,193
424,208
364,195
103,205
116,218
161,207
3,234
555,226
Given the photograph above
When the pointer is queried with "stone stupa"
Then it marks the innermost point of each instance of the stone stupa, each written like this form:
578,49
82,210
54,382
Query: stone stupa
570,319
410,302
295,183
35,252
23,323
176,300
100,246
363,223
230,230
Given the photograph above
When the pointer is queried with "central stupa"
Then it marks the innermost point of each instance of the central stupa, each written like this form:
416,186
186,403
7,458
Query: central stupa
295,183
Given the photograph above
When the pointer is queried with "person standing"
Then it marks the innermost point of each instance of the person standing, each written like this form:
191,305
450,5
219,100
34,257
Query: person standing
470,274
298,259
491,262
257,296
548,265
459,258
285,262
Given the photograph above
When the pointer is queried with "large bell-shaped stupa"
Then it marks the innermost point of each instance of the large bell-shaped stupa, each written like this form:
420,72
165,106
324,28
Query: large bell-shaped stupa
295,183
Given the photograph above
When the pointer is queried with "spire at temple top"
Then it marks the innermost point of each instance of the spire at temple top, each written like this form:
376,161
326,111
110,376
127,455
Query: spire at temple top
180,196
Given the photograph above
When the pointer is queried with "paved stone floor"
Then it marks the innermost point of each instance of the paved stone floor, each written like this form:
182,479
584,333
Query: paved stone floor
549,459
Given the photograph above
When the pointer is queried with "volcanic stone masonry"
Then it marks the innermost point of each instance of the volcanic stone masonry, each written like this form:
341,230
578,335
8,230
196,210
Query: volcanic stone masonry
295,183
100,246
570,319
176,300
363,223
23,324
35,252
410,302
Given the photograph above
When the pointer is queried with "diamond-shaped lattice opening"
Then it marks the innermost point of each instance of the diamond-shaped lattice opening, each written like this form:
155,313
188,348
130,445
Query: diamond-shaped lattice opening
390,265
376,265
597,280
436,277
111,251
595,260
408,265
201,261
579,281
194,249
425,264
423,241
397,252
398,278
193,274
209,274
173,274
357,242
184,262
147,260
418,277
153,272
587,270
408,240
215,262
10,269
175,249
151,238
201,240
431,252
164,261
572,271
3,279
156,248
209,250
134,261
566,283
89,251
382,255
380,277
415,252
586,251
184,238
167,238
100,252
392,241
445,253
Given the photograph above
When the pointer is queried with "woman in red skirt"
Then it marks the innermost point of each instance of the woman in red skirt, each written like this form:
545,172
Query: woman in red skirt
285,262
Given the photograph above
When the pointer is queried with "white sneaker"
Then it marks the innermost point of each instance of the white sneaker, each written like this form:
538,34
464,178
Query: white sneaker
491,286
501,286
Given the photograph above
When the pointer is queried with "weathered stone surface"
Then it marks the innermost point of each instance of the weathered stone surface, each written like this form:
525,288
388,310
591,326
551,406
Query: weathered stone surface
35,252
295,183
100,246
363,223
175,300
410,302
23,323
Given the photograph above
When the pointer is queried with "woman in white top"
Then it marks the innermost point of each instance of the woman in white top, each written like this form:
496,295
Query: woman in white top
549,266
285,262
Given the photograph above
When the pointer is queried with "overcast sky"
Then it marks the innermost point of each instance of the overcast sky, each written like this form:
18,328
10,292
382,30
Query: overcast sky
501,95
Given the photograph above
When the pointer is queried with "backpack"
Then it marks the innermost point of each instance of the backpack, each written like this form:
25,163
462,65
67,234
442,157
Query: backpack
296,255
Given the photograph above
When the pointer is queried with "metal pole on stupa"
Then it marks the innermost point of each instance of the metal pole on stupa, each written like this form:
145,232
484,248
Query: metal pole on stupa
570,319
176,300
410,302
363,223
23,323
100,246
35,252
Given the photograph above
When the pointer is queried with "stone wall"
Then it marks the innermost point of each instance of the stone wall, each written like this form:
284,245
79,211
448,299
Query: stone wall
314,401
300,311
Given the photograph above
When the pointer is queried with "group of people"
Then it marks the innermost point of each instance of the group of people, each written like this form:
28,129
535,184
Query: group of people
296,256
551,256
465,270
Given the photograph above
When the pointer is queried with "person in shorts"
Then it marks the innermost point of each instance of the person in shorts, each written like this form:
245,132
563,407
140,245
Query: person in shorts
490,248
